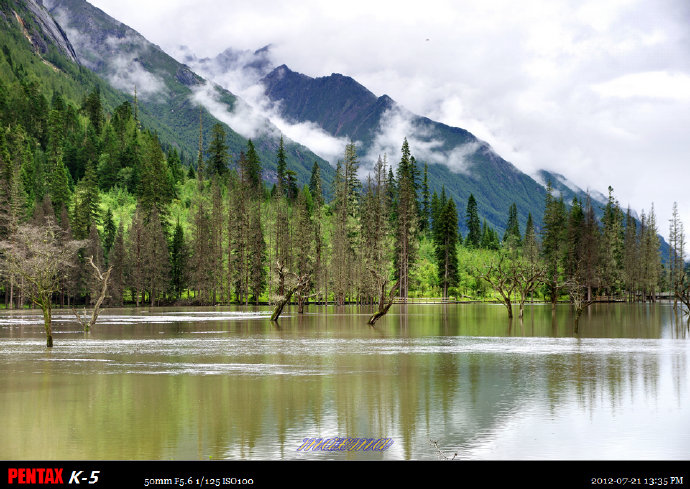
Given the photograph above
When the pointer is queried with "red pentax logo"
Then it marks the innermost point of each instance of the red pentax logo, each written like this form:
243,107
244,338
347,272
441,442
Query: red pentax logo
34,476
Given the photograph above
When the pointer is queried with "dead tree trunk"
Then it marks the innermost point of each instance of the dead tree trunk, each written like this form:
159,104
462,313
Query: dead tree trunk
302,283
383,304
104,289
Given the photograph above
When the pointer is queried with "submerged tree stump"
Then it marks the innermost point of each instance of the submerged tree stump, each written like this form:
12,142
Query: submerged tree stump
302,283
384,305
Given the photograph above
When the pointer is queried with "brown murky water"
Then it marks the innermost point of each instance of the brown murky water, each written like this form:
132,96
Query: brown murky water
227,383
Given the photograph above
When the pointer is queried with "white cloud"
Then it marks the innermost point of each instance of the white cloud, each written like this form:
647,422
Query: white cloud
242,118
651,84
251,115
126,73
397,124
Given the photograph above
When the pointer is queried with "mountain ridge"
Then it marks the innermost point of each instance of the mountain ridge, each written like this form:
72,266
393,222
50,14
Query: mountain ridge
169,91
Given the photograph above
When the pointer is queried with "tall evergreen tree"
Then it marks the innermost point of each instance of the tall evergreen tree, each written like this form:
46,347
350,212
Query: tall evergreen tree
407,213
134,268
315,184
86,203
531,245
218,152
109,231
473,238
424,224
178,261
611,252
117,259
156,188
553,232
156,259
253,168
256,251
216,239
446,240
512,237
631,257
281,167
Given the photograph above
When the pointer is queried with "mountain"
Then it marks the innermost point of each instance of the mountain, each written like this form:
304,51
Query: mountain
171,97
456,159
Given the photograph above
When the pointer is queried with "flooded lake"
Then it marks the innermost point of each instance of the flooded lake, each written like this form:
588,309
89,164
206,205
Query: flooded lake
226,383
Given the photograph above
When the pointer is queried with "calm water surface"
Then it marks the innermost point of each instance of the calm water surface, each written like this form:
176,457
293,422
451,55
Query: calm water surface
226,383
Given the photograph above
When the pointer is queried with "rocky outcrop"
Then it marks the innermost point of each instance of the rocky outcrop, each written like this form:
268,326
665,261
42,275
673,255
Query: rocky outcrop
48,31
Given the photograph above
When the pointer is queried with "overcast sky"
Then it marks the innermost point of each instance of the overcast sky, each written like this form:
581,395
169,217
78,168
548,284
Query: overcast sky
596,90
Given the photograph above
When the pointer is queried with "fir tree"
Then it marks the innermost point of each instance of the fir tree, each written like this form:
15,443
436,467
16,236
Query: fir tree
425,204
315,184
407,213
281,168
473,239
109,232
512,237
117,260
178,261
553,232
253,168
218,152
86,203
531,246
446,240
156,258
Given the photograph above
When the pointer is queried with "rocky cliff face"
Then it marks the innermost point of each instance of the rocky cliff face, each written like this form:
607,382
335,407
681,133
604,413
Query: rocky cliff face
40,27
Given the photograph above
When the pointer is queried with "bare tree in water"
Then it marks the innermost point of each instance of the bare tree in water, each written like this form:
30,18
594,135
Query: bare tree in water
40,259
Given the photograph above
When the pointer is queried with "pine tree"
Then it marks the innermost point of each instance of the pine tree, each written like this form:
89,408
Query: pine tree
178,261
473,239
342,251
489,239
134,270
109,163
611,252
109,231
86,203
175,166
650,255
93,108
58,183
630,260
531,245
281,168
256,251
676,258
512,238
424,224
156,258
117,260
315,184
156,188
377,246
218,152
553,232
201,277
446,240
407,213
305,250
216,251
589,263
253,168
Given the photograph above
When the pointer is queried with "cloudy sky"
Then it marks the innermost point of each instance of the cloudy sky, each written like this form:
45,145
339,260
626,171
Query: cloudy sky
596,90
